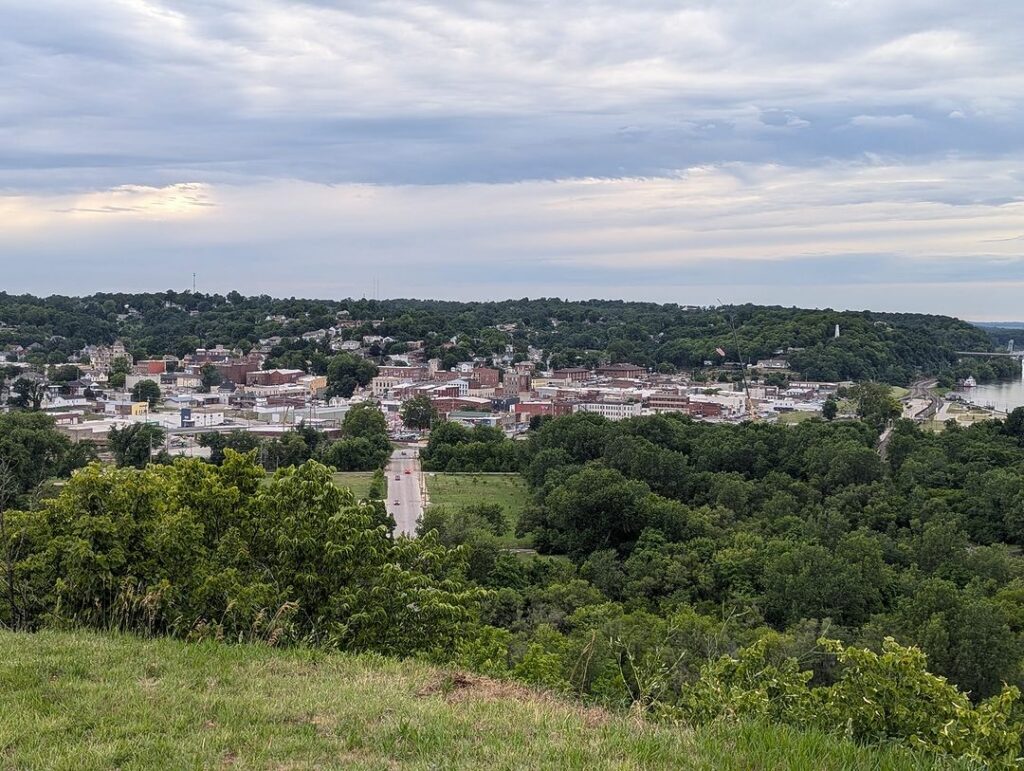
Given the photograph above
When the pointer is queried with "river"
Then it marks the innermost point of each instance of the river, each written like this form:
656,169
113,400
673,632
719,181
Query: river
1004,395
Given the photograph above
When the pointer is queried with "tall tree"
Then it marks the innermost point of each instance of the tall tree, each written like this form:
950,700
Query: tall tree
209,377
830,409
119,369
875,403
134,444
146,391
418,412
33,450
346,372
28,394
364,420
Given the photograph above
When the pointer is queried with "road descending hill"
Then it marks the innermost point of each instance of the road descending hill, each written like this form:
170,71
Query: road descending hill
90,701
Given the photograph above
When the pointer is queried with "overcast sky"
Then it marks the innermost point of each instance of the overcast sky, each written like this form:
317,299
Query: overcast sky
844,153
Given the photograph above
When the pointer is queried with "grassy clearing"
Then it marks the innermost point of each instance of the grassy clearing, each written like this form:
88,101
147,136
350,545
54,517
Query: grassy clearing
90,701
357,481
457,490
898,392
792,418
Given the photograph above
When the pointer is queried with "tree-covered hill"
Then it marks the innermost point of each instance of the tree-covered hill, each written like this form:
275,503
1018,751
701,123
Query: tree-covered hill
881,346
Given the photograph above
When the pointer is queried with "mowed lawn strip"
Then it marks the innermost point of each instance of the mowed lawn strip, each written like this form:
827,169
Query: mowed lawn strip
358,481
458,490
77,700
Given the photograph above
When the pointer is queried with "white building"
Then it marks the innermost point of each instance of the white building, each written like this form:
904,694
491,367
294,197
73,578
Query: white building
204,418
610,410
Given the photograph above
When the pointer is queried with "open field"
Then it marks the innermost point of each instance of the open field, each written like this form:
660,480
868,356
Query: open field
90,701
358,481
457,490
792,418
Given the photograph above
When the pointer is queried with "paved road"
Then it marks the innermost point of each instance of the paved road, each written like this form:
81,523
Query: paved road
919,404
405,490
921,390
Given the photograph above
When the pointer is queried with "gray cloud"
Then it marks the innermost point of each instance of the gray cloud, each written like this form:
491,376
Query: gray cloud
822,136
402,92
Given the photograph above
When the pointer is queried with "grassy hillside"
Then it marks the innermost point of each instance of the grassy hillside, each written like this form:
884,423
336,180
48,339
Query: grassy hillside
81,701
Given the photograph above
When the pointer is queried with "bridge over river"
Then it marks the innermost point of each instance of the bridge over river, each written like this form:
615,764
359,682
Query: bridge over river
987,354
990,354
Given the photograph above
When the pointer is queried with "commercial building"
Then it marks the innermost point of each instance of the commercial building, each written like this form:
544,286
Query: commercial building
150,367
486,377
412,374
773,363
668,402
571,374
610,410
274,377
469,418
627,371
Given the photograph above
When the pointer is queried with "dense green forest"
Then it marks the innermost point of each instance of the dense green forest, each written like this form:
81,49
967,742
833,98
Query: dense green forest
782,526
893,348
695,572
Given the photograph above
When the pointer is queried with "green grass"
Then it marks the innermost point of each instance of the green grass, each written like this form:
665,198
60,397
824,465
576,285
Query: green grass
457,490
89,701
792,418
357,481
898,392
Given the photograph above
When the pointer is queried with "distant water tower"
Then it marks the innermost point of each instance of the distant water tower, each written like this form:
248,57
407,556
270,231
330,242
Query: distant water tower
836,335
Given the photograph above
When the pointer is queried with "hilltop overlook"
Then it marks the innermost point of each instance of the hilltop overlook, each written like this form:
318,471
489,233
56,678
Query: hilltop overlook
91,701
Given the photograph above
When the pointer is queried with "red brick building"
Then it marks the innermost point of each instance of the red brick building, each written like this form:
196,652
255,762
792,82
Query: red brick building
486,377
705,409
274,377
526,410
632,371
412,374
572,374
517,382
237,371
447,404
150,367
669,403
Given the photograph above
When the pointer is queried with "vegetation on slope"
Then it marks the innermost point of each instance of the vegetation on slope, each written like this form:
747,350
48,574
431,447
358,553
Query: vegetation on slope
89,701
199,551
881,346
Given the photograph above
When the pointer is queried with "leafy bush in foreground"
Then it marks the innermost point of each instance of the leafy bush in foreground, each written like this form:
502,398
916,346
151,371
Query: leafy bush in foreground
878,697
193,549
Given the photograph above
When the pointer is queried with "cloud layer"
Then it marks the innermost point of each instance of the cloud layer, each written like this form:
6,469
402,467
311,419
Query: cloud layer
509,148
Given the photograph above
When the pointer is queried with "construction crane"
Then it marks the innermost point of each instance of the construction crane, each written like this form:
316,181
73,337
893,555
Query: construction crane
748,401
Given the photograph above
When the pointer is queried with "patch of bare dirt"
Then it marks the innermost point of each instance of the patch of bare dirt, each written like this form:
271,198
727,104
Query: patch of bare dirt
149,683
456,687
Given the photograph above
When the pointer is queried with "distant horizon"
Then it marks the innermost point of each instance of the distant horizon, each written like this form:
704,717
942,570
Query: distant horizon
577,299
